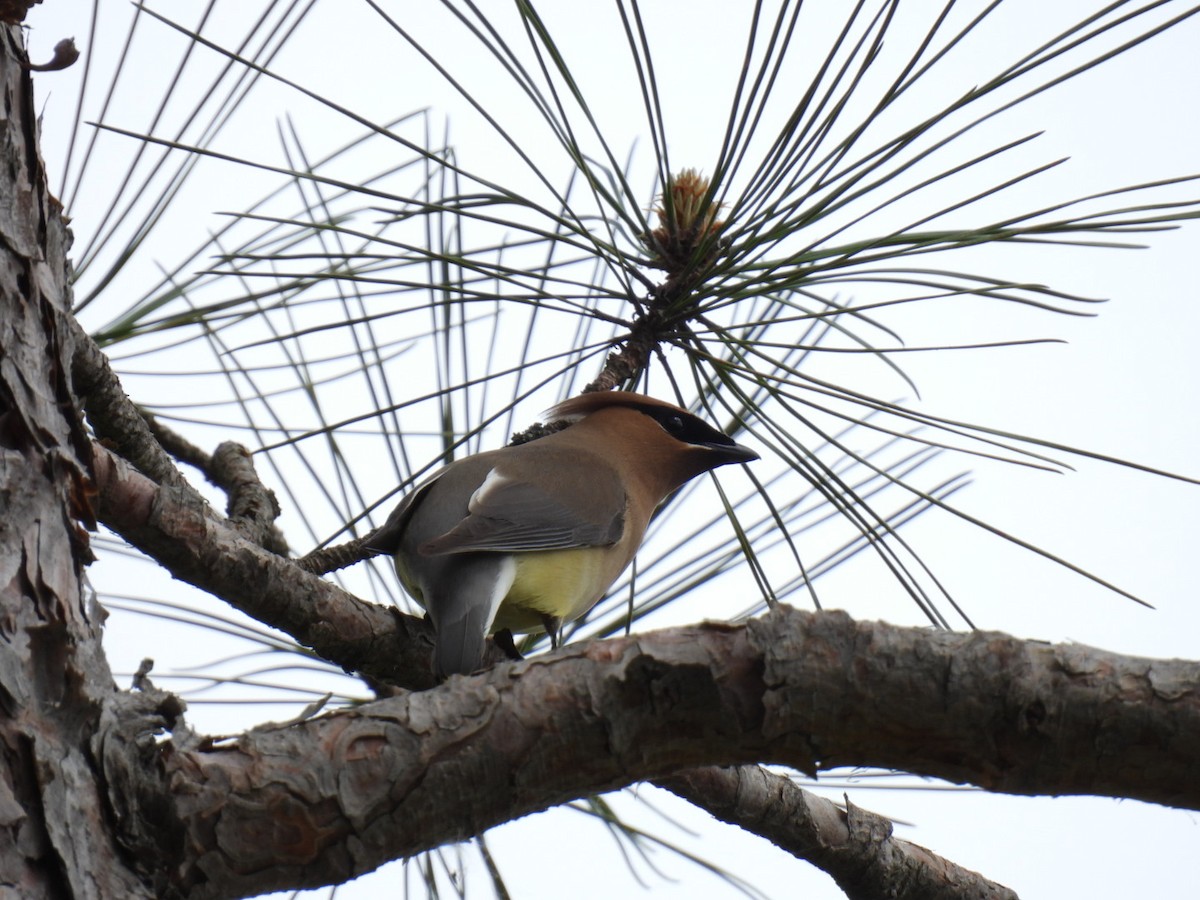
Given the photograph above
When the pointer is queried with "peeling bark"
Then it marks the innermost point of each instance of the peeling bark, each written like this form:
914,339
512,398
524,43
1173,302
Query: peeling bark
55,839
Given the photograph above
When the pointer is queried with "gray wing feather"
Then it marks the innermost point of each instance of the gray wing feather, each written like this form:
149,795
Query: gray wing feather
513,515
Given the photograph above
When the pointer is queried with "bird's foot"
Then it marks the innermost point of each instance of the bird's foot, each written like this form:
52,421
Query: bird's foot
553,626
504,640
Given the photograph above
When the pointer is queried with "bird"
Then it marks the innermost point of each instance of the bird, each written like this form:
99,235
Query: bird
527,537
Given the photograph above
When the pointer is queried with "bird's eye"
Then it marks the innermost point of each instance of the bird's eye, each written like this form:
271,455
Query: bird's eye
674,424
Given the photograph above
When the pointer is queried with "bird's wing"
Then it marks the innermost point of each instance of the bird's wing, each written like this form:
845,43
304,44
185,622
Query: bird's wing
509,512
386,538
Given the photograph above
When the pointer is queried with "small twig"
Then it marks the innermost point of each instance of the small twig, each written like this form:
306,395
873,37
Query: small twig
252,507
625,365
179,446
65,55
141,678
329,559
535,431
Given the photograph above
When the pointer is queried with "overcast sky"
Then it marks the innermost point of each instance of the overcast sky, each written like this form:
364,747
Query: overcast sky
1124,384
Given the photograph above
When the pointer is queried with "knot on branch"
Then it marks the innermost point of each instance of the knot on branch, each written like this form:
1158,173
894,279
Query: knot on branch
252,507
127,752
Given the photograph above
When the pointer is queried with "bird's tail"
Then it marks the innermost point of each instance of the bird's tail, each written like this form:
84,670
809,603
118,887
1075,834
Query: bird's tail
471,592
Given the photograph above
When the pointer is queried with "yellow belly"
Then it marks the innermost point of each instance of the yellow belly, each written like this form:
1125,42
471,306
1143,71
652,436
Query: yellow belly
561,583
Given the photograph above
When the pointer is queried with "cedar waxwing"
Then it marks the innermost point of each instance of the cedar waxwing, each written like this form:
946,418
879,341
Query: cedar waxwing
528,537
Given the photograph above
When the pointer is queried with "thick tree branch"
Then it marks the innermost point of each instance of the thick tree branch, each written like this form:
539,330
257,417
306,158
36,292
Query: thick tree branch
855,847
348,791
182,533
113,416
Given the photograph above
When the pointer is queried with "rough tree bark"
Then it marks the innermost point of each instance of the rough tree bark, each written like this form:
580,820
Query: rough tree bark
55,834
94,802
350,790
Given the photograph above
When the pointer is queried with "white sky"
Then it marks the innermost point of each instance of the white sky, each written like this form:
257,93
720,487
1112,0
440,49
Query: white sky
1125,386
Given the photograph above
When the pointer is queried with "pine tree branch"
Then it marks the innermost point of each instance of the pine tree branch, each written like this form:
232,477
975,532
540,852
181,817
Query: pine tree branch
854,846
348,791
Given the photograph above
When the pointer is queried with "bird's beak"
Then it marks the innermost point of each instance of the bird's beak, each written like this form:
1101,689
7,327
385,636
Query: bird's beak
733,453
